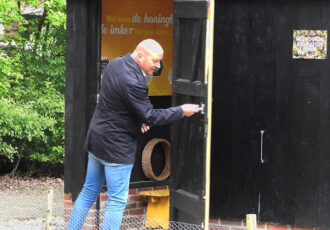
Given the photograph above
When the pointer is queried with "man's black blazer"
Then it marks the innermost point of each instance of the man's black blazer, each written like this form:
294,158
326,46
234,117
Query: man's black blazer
123,106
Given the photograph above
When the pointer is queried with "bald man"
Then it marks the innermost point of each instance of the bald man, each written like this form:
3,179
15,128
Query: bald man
123,111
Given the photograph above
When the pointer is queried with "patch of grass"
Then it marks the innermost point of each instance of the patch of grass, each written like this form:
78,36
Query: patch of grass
47,187
24,187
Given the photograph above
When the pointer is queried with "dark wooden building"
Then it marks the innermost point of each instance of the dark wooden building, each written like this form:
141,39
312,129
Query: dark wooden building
270,111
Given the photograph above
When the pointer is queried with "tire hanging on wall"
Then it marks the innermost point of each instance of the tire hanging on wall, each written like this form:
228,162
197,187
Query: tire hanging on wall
146,159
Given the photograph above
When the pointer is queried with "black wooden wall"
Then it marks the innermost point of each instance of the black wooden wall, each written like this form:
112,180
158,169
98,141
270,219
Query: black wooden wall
259,86
82,74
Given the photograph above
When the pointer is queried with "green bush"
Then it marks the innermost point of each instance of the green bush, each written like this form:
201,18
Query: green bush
32,82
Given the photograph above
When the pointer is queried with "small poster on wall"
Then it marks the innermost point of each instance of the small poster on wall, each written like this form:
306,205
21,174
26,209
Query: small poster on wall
310,44
127,22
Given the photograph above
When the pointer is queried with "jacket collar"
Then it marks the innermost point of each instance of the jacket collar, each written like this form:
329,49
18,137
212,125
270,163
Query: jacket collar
132,63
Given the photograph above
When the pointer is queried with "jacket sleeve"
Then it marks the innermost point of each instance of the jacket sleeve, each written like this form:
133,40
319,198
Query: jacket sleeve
138,101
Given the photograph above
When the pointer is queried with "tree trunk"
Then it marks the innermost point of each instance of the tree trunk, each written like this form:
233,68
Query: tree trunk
12,174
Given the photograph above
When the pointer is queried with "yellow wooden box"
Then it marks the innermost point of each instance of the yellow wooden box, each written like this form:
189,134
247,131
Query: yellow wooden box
158,208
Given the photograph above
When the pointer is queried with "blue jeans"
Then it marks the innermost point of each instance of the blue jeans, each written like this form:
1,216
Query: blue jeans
117,178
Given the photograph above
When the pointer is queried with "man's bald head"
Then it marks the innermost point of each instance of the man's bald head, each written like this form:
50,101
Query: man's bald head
149,45
148,55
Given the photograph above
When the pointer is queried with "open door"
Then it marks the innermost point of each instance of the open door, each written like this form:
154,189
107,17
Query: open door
190,137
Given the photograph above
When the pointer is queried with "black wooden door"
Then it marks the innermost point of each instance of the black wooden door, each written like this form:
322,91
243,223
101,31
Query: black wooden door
260,87
190,85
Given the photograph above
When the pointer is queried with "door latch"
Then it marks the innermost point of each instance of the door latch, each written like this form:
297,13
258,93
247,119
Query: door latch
201,108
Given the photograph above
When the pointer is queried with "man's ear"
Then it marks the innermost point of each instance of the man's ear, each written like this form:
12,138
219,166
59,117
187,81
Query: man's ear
139,55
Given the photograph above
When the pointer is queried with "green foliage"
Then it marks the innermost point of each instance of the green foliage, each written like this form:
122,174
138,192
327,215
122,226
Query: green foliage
32,81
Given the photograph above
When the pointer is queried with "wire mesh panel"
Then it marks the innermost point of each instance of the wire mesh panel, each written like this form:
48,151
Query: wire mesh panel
35,213
30,217
127,223
141,222
24,211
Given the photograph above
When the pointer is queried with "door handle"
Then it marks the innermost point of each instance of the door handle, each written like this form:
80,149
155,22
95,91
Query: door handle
261,145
